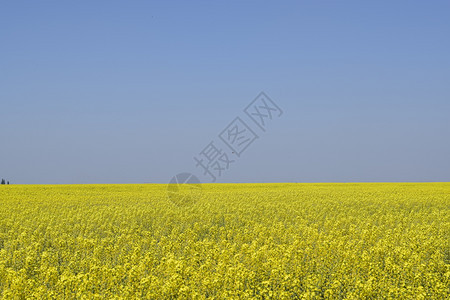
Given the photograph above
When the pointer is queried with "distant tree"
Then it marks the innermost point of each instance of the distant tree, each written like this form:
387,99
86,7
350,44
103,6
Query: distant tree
3,181
7,182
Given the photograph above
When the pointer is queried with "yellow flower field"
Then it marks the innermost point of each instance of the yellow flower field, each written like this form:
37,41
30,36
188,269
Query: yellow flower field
236,241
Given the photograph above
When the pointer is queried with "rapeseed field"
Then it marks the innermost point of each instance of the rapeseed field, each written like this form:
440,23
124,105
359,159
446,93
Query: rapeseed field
235,241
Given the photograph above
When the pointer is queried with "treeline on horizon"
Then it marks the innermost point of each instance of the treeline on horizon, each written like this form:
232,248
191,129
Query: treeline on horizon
4,181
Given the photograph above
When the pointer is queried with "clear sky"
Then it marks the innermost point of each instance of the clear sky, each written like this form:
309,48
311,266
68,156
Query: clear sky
131,91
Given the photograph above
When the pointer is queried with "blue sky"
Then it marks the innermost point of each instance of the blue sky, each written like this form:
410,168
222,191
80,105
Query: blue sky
131,91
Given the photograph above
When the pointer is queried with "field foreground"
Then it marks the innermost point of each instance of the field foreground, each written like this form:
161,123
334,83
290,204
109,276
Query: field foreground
235,241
